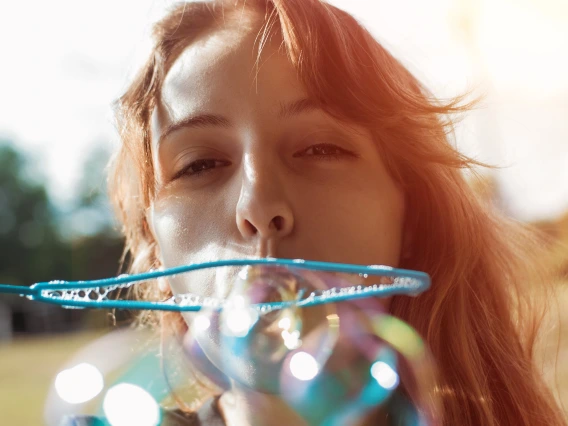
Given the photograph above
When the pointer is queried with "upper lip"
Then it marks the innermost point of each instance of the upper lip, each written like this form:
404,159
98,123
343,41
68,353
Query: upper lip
267,248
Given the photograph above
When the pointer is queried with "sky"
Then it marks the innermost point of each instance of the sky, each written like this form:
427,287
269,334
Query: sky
64,62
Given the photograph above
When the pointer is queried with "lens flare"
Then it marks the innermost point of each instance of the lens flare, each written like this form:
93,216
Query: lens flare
303,366
201,322
384,375
126,404
79,384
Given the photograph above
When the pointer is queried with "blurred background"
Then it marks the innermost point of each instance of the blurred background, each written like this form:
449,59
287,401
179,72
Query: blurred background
65,62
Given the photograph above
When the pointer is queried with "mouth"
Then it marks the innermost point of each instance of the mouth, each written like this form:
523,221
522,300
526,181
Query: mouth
295,279
265,283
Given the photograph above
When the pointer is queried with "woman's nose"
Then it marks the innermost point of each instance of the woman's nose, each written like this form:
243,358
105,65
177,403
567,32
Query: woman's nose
263,210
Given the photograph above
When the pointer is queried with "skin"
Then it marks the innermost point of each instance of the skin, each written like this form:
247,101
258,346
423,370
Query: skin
291,186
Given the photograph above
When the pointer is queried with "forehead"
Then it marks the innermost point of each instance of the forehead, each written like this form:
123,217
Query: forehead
221,73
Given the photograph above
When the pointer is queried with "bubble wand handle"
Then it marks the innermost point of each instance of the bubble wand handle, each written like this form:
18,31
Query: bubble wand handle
16,289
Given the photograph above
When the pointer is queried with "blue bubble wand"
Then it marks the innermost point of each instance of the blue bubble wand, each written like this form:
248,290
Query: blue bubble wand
94,293
400,338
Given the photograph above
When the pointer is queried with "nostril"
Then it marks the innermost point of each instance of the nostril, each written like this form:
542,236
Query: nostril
251,228
278,222
276,225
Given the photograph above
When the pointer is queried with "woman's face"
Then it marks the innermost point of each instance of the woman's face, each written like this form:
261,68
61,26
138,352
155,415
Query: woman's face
249,166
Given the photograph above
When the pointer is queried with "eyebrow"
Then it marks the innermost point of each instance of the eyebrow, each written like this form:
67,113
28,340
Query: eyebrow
286,111
297,107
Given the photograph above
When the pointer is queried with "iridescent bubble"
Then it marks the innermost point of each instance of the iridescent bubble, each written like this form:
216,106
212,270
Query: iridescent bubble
260,324
365,380
341,363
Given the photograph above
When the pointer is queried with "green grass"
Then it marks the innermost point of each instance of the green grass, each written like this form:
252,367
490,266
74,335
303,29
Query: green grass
27,368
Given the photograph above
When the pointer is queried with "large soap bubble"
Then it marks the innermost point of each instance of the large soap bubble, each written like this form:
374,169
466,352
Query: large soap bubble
334,363
260,325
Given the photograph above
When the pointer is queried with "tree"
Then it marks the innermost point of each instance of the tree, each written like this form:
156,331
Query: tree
33,248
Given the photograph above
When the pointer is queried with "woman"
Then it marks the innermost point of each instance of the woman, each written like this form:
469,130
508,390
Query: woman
282,128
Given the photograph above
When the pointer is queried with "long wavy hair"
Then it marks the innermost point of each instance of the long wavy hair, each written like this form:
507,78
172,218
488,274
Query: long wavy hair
478,319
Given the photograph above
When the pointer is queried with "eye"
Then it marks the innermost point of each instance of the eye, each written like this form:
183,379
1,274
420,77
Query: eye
199,167
325,151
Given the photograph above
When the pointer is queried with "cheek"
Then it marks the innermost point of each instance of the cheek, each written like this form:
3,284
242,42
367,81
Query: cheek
185,221
189,231
379,226
175,221
359,223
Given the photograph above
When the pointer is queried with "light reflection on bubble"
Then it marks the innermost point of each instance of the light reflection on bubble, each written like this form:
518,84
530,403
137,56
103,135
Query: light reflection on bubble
201,322
79,384
284,323
384,375
126,404
400,335
238,321
303,366
291,340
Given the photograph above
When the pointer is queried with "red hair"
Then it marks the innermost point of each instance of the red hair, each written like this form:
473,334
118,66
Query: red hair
478,317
